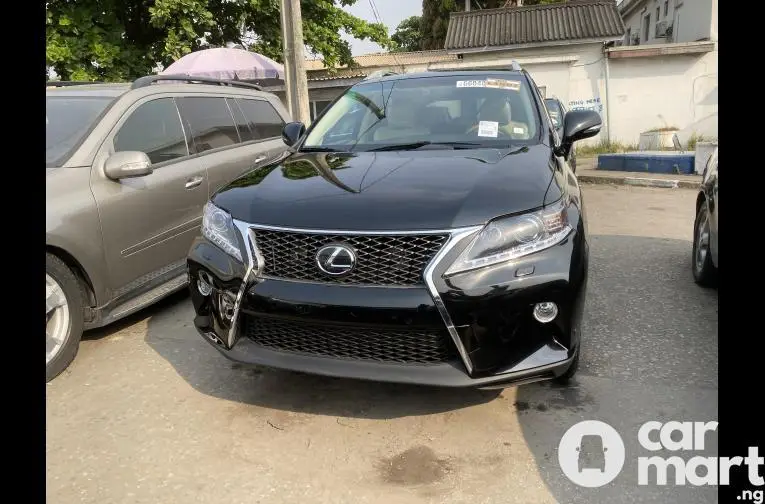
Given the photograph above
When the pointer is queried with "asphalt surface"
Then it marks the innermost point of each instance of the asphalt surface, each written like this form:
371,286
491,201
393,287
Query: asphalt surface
150,413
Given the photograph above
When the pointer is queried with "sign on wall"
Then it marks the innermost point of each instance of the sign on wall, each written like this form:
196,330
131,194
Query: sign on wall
587,104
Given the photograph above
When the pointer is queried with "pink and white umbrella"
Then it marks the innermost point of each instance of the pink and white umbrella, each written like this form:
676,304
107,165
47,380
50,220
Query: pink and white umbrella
226,64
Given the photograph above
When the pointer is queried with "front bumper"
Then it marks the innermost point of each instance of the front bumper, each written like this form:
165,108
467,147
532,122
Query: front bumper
473,329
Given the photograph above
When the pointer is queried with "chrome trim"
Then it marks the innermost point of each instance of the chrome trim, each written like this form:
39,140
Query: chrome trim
351,232
456,236
252,255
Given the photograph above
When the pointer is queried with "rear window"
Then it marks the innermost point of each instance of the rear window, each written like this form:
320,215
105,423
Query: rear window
264,121
68,120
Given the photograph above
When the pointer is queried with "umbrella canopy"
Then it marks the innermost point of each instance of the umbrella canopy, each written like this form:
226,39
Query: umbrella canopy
226,64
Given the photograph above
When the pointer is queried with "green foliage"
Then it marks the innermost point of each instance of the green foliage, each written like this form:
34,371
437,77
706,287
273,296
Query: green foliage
435,17
407,35
117,40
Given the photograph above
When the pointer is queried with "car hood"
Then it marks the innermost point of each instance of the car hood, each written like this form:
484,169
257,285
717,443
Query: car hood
409,190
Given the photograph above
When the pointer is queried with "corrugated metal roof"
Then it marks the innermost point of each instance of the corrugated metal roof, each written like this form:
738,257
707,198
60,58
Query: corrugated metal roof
538,24
391,59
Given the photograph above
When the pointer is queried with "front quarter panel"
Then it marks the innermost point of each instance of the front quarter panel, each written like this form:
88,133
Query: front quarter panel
72,224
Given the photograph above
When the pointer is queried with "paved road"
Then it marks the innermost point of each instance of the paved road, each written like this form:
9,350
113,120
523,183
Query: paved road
149,413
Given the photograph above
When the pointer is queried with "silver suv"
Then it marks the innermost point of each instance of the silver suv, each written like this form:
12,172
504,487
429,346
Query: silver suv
129,170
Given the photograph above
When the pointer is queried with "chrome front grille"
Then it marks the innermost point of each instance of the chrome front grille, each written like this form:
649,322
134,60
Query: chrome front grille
381,259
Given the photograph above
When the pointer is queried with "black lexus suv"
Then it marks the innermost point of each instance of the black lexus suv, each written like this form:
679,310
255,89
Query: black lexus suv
425,229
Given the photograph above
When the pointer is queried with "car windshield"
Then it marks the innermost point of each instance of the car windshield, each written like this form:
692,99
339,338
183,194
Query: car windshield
556,113
67,120
489,110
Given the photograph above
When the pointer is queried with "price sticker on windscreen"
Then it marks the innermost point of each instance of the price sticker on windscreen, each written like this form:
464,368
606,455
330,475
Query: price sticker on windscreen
503,84
488,129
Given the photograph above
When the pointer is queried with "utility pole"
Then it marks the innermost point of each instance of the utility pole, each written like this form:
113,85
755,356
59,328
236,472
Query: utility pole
295,80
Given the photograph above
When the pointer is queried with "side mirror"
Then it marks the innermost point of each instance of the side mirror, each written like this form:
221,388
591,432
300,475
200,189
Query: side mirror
578,125
128,164
292,132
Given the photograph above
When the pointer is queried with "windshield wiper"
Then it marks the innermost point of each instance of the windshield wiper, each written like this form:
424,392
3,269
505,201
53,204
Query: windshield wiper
417,145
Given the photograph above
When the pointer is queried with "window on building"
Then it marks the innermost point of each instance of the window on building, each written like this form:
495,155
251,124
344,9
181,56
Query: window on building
209,122
658,13
666,7
646,28
264,121
317,107
154,128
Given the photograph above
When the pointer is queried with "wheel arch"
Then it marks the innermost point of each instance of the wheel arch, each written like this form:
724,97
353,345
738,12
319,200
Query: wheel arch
80,273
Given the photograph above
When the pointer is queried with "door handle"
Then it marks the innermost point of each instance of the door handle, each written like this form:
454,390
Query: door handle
260,158
194,182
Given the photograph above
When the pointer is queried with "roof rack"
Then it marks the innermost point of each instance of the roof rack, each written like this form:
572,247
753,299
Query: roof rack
70,83
190,79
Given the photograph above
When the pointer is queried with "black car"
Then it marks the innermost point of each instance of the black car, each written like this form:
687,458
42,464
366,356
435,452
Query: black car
557,112
437,238
705,248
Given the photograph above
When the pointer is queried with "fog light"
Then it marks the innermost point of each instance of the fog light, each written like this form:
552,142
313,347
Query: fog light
203,284
545,312
227,302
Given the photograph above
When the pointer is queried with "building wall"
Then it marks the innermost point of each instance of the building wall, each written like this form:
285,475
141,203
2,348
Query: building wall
661,91
692,20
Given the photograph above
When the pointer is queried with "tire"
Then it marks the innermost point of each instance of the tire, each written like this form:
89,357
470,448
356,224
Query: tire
704,271
71,316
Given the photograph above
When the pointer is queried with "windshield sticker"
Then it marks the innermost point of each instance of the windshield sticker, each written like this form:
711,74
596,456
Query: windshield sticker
488,129
518,130
490,83
471,83
503,84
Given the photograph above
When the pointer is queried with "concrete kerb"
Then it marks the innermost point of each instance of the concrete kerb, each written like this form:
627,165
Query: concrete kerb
637,181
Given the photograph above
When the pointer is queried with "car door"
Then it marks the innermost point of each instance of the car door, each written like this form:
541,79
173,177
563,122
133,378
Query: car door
712,191
149,222
223,136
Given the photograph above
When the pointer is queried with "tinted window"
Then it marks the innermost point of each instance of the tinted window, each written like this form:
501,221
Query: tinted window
67,120
209,122
263,118
483,109
153,128
245,134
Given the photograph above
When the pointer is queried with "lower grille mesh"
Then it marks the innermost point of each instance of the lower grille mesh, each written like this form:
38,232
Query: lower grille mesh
408,346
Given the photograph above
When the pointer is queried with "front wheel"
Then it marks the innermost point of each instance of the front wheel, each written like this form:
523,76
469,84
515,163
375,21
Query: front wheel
704,271
63,311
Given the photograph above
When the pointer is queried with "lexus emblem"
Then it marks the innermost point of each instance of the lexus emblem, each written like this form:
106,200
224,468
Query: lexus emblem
336,259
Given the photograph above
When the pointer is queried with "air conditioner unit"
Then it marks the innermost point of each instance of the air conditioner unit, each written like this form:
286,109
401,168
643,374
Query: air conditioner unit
661,29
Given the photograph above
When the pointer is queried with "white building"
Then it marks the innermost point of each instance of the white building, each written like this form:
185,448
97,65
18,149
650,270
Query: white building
668,21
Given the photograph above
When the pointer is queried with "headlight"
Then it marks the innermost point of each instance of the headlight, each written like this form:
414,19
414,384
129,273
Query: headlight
218,227
513,237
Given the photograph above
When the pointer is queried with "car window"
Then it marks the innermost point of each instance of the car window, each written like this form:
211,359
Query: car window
68,119
489,109
264,120
245,133
209,122
155,129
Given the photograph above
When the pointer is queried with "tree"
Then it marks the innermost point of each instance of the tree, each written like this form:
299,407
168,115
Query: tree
115,40
407,36
435,17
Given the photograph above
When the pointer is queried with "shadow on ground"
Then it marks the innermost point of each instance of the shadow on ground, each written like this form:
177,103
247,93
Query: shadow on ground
649,353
